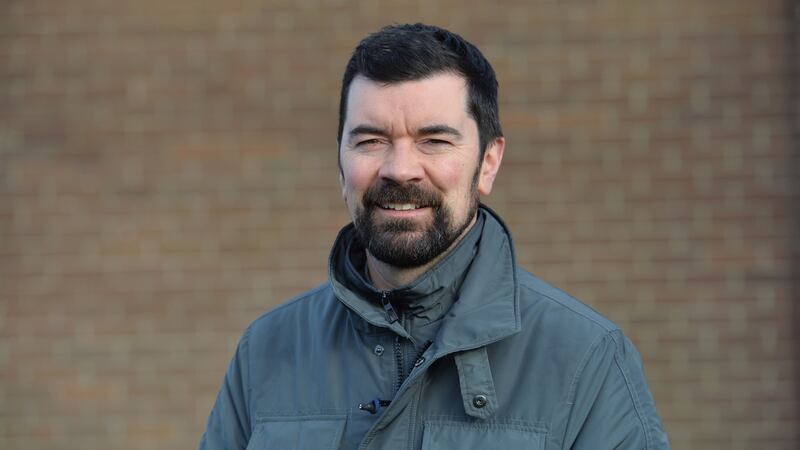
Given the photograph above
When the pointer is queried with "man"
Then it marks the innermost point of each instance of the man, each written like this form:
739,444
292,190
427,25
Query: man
428,335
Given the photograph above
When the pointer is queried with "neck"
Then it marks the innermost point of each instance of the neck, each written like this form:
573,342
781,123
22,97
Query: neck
386,277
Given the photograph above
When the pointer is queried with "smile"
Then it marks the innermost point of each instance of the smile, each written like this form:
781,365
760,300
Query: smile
400,206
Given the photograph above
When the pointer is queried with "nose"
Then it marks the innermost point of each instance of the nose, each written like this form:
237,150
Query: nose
402,163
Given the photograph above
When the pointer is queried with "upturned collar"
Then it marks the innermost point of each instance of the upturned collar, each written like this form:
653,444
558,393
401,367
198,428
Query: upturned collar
475,286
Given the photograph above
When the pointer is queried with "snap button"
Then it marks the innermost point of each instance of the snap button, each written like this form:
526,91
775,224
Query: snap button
479,401
419,361
378,350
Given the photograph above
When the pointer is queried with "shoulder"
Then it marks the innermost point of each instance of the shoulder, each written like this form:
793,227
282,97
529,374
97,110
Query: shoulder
320,292
554,321
302,312
604,386
549,306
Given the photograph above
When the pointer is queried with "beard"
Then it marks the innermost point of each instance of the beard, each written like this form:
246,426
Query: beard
404,243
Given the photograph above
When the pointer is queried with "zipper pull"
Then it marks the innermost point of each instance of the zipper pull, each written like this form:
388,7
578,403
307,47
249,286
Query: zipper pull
374,407
391,314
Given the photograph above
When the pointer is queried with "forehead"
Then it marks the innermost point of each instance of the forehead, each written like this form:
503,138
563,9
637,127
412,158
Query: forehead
440,98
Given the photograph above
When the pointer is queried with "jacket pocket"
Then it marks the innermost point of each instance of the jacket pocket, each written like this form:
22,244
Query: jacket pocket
441,435
298,433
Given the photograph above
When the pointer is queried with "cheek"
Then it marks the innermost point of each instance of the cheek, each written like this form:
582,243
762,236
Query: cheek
453,178
356,178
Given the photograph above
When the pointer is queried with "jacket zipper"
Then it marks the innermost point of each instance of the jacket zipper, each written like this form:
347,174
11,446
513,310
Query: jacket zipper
391,314
374,406
392,317
398,355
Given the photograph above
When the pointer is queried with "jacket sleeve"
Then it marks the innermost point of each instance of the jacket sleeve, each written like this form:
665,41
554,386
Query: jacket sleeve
228,425
612,405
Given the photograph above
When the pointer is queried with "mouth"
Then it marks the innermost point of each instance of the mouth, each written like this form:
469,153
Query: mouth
400,206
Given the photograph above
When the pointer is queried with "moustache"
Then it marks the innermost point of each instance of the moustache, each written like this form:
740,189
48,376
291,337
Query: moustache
390,192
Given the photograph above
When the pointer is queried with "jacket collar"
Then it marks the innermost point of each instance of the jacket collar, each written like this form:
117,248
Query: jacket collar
487,305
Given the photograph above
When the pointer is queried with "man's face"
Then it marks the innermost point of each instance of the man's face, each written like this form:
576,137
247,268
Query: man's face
411,167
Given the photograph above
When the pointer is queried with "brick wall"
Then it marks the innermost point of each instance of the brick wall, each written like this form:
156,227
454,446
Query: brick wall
168,171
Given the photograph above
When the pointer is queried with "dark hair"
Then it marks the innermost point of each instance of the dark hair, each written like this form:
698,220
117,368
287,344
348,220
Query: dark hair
410,52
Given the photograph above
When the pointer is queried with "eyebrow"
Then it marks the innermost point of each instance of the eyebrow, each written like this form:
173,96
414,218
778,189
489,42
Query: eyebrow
439,129
424,131
367,129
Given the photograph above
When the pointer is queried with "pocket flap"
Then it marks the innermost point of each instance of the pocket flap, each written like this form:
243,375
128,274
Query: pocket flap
300,433
441,435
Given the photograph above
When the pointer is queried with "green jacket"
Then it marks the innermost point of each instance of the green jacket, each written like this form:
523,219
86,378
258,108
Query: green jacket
499,359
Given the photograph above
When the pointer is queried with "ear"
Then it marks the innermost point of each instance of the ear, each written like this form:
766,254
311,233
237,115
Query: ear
491,164
339,163
341,184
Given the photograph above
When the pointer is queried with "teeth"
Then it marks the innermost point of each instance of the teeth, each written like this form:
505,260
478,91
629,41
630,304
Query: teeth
400,206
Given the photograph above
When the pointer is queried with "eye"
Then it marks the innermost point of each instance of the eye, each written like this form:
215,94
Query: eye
369,142
437,142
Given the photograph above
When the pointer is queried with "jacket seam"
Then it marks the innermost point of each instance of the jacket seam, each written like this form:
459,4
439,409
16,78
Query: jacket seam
487,425
539,426
633,394
248,385
294,301
570,400
413,423
582,366
294,417
516,284
605,327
